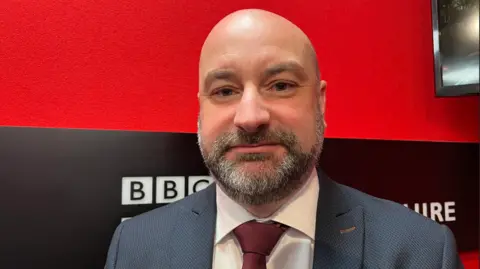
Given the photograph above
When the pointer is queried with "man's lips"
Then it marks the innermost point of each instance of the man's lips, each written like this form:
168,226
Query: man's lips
260,147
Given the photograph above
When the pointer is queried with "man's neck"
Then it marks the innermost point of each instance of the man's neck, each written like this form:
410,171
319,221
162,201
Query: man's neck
265,211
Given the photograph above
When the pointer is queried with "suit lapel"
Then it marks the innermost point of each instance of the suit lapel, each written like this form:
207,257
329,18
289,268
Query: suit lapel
192,241
339,232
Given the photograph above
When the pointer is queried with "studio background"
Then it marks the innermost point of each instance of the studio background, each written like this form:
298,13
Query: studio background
132,66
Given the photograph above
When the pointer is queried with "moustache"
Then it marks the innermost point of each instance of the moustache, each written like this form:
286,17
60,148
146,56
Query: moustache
234,139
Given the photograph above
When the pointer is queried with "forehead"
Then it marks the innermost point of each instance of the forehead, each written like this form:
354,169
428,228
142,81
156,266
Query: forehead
249,55
250,58
252,46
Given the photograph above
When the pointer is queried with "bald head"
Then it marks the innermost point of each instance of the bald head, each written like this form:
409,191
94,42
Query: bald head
251,28
259,85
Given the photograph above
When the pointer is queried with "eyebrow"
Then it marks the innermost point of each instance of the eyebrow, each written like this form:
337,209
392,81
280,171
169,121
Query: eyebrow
228,74
218,74
289,66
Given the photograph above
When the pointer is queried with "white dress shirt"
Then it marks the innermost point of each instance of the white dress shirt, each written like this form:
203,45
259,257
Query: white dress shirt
294,250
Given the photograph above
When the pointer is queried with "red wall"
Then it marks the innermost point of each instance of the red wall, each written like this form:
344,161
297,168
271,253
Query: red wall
133,65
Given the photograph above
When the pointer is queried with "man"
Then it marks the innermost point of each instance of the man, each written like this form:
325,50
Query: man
260,132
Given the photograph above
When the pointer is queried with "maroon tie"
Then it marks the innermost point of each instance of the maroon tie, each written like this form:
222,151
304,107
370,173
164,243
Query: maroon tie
257,241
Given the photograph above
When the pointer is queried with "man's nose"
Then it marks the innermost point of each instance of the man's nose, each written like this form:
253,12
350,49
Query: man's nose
251,113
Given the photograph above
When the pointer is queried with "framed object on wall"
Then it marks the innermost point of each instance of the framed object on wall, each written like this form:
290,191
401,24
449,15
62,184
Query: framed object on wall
456,47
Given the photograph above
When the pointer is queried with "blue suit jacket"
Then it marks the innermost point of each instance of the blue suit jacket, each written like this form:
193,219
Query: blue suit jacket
386,235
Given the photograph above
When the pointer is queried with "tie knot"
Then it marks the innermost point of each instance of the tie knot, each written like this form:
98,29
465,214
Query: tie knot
258,238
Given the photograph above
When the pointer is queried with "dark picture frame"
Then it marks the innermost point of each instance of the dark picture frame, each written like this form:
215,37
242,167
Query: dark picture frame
442,90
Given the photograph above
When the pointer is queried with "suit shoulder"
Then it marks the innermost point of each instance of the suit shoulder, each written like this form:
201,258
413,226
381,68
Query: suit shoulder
166,215
398,237
394,219
146,238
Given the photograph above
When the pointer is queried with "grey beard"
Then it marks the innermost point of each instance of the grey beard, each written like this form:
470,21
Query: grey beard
276,179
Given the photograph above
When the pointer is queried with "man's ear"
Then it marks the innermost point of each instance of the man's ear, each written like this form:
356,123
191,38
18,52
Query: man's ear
322,98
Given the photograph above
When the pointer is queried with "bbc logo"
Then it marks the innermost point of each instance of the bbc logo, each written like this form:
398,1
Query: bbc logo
140,190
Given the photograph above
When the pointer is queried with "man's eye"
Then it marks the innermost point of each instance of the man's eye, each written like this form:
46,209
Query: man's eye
224,92
282,86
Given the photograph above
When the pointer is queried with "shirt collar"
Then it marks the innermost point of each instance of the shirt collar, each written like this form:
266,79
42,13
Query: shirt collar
298,213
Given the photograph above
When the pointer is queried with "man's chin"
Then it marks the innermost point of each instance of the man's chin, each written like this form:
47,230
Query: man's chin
259,167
